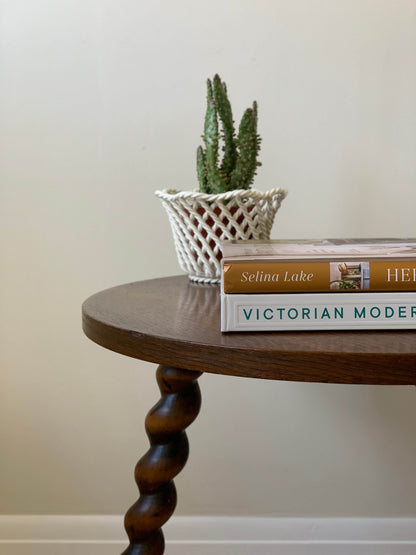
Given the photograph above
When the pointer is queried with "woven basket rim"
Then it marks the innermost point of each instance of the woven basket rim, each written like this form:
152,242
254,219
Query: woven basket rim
199,221
172,194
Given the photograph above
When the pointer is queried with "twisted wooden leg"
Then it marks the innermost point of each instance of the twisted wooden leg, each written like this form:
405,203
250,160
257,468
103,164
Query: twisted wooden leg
168,453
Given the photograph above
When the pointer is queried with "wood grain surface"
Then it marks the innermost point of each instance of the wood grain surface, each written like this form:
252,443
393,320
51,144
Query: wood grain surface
174,322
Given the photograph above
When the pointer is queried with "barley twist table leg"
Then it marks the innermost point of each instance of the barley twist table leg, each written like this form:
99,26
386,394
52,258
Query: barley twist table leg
165,424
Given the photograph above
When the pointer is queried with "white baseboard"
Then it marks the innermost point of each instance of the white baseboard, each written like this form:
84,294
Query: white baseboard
104,535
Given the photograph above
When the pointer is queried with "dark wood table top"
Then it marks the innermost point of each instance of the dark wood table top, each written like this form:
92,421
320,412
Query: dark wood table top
174,322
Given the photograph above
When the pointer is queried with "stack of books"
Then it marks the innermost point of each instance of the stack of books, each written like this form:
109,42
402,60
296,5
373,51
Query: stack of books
331,284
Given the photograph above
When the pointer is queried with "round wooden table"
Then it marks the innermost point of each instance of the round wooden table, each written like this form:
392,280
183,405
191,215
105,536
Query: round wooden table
176,324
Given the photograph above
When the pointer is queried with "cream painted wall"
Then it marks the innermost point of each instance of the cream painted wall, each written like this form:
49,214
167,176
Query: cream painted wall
102,102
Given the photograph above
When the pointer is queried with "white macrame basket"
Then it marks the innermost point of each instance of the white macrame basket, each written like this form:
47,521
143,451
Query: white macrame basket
201,221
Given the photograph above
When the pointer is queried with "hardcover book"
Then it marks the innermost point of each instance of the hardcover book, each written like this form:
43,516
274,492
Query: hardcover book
317,311
331,265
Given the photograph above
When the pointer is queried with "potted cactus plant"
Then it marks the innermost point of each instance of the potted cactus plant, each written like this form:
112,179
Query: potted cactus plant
225,207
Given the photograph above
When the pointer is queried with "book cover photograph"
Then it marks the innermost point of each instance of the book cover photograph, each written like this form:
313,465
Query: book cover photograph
349,276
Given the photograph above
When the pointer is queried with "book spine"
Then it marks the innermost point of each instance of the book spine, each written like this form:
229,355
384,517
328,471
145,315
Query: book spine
318,311
259,276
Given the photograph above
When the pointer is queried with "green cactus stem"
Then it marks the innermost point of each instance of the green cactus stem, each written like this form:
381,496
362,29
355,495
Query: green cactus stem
228,132
237,168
